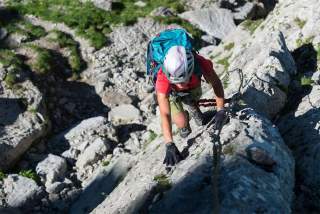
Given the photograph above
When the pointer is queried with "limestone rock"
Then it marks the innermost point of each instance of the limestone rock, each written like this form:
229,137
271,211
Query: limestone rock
85,144
316,77
244,183
93,152
300,130
214,21
21,192
22,122
162,11
101,184
199,4
124,114
114,98
52,169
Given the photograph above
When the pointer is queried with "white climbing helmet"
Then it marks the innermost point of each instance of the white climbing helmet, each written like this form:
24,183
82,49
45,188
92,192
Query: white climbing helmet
178,64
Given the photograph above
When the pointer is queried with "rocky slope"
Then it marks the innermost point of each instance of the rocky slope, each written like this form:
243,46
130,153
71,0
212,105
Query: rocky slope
93,144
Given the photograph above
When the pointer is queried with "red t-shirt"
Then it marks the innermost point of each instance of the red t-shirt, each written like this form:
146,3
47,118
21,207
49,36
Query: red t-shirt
164,86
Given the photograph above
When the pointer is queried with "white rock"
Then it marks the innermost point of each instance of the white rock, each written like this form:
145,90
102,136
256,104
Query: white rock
21,191
52,169
92,153
124,114
214,21
140,3
316,77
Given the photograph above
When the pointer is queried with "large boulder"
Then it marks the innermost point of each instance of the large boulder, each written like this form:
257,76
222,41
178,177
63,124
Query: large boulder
102,183
214,21
124,114
248,9
257,173
23,121
85,144
21,192
52,170
300,130
93,152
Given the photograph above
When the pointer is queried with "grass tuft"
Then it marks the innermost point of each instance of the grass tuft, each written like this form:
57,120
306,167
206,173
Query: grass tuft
300,22
2,176
251,25
29,174
163,182
225,62
229,46
89,21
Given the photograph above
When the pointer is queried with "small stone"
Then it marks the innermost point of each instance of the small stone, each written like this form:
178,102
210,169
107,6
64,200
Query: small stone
140,3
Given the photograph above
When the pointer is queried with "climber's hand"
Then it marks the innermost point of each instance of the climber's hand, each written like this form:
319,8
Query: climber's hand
173,155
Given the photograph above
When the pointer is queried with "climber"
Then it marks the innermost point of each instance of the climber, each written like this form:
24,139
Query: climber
179,82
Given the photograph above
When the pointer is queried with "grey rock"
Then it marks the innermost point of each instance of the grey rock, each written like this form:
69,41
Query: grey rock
248,9
115,98
210,39
3,33
124,114
316,77
243,184
102,184
95,151
21,192
162,11
300,130
199,4
118,151
51,170
267,66
15,39
20,127
55,187
245,12
214,21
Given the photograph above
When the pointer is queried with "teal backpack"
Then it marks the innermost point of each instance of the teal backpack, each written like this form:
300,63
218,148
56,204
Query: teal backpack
159,46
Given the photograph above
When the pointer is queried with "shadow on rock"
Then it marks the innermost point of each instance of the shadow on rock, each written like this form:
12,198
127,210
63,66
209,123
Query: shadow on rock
306,61
97,191
125,130
301,133
10,109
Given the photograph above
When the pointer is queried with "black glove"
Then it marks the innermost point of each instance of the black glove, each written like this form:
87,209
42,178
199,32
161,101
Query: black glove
173,155
219,119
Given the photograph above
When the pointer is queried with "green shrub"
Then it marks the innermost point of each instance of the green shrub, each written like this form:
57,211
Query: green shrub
34,31
9,58
2,175
44,60
90,22
163,183
10,79
66,41
152,136
305,81
29,174
105,163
